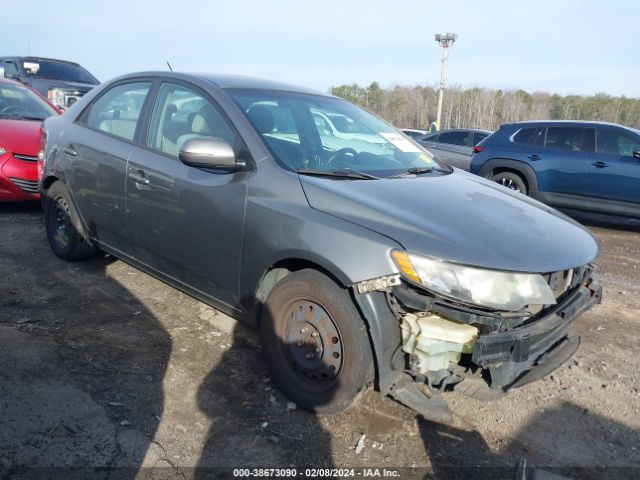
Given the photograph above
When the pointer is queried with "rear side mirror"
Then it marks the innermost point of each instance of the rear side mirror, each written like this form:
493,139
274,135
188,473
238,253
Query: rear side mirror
636,153
210,153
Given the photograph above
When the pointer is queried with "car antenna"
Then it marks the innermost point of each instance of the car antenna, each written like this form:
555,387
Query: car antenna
169,65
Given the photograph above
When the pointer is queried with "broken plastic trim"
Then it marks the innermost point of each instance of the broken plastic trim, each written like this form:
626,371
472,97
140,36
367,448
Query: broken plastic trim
410,298
433,408
381,283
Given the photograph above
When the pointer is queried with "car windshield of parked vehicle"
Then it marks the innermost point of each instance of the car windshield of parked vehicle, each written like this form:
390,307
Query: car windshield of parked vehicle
58,71
315,134
21,103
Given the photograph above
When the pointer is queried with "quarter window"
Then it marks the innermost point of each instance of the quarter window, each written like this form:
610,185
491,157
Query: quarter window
614,142
118,109
524,135
181,114
566,138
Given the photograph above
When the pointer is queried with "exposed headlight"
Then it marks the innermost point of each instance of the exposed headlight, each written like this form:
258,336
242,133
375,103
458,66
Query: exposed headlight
489,288
2,151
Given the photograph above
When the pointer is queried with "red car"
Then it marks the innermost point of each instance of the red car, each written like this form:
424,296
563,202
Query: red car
22,111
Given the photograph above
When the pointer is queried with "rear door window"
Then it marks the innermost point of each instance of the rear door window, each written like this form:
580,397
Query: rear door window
454,138
117,110
566,138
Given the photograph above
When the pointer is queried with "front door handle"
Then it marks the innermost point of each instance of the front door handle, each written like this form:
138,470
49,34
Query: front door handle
533,157
69,151
600,164
138,176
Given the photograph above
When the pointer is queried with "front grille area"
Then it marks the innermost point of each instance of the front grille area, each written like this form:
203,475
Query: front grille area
28,186
26,158
561,281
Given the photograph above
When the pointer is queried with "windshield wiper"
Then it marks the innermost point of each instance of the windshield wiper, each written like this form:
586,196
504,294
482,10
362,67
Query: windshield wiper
419,171
22,117
340,172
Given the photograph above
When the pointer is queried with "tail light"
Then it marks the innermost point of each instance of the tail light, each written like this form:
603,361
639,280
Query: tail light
478,148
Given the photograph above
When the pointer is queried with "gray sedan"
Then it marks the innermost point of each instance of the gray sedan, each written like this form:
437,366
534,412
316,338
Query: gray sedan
454,147
362,260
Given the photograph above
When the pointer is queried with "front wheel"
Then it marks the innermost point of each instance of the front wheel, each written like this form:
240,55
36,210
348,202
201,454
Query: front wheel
512,181
315,342
64,230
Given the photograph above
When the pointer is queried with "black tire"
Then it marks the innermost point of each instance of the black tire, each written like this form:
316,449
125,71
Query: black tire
64,230
306,313
512,181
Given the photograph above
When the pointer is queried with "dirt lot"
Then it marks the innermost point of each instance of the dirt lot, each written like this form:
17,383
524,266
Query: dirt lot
106,367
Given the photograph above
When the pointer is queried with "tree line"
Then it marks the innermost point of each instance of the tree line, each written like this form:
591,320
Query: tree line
411,106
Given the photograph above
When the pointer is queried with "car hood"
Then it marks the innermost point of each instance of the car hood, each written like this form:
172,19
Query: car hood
458,217
20,136
43,85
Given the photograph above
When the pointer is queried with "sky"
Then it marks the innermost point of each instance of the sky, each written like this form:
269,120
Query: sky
559,46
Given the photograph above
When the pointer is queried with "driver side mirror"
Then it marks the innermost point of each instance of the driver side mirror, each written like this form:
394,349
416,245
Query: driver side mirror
636,153
213,153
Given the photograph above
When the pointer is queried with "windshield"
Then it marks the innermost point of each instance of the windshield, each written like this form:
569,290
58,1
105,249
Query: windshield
58,71
316,133
20,102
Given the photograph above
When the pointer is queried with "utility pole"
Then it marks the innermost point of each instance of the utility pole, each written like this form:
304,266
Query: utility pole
445,40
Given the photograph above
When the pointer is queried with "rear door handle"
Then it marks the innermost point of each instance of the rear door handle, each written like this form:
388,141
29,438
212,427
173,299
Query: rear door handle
600,164
138,176
69,151
533,156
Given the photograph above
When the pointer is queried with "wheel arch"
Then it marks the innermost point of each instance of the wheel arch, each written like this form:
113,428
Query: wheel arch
516,166
48,181
383,329
283,267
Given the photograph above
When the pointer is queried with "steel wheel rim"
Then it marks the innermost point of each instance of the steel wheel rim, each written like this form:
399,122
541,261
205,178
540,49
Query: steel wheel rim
509,183
313,342
61,223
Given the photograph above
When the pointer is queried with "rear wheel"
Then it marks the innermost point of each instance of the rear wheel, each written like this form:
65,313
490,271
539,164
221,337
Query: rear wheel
64,230
512,181
316,343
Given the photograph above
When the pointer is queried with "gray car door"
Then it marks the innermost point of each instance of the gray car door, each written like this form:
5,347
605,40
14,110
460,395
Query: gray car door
97,178
453,148
183,221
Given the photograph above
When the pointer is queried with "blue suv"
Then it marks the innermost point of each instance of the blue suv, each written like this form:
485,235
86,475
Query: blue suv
592,166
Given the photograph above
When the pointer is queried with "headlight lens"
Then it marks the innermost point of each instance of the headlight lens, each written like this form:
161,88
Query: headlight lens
2,151
489,288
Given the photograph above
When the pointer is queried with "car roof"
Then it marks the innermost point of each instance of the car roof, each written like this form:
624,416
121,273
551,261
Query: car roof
574,122
565,122
463,130
226,81
39,59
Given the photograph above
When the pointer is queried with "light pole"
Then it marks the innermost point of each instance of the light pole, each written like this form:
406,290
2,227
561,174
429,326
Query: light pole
445,40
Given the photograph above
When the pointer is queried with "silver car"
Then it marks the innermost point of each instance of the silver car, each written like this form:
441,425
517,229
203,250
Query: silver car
363,262
454,147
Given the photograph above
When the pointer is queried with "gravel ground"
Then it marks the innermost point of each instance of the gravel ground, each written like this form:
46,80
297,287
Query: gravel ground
103,366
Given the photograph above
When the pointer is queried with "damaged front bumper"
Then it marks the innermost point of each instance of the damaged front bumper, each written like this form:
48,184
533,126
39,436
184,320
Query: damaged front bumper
529,352
509,350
